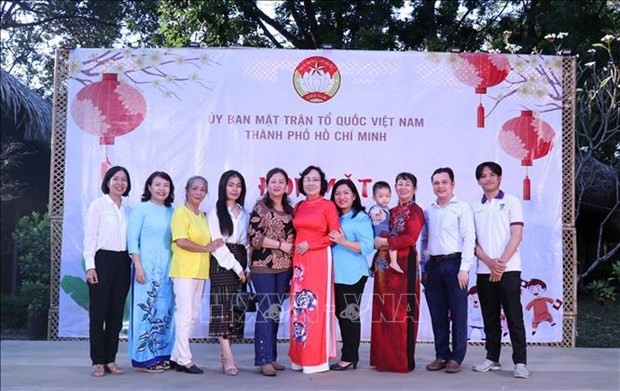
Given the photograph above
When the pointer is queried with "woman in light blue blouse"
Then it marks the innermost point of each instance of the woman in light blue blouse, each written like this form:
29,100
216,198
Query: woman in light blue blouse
151,325
353,242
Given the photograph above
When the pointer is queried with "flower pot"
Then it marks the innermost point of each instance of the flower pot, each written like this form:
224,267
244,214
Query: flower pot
37,326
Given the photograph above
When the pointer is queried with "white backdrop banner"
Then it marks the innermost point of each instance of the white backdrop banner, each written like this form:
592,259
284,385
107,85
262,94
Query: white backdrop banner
366,115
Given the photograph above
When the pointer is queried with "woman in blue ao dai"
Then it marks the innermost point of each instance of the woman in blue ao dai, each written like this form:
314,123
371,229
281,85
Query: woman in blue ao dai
151,327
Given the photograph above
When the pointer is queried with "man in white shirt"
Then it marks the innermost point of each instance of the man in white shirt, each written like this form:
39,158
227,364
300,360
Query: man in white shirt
448,242
498,218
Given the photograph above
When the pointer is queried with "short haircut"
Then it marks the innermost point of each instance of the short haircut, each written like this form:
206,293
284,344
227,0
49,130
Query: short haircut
441,170
191,180
494,167
149,181
105,188
380,185
407,176
305,172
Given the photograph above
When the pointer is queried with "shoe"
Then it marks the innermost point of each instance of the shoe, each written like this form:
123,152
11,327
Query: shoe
453,367
436,365
157,368
193,369
229,367
268,370
277,366
113,368
338,367
521,371
165,365
97,370
487,365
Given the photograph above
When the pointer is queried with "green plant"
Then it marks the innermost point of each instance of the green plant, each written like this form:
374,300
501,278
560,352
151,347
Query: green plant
616,271
32,243
603,291
13,312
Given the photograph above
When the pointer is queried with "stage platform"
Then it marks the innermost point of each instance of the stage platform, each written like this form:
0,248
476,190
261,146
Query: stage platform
63,366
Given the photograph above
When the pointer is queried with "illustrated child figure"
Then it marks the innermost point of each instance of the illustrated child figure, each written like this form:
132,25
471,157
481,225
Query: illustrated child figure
380,217
475,321
539,306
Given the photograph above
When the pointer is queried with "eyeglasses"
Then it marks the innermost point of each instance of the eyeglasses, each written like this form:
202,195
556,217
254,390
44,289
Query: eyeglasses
311,180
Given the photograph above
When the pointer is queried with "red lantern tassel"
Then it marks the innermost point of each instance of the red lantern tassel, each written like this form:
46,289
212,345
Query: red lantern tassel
105,166
480,116
526,188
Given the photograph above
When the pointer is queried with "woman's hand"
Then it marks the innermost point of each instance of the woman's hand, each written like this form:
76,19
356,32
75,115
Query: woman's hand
337,236
286,247
215,244
241,275
140,277
302,248
91,276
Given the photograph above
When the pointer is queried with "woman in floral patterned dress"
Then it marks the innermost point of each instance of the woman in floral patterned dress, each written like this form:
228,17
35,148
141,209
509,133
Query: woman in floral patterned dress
396,296
151,326
313,339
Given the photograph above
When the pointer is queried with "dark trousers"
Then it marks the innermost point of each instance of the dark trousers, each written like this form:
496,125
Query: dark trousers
348,299
270,292
107,304
447,302
493,296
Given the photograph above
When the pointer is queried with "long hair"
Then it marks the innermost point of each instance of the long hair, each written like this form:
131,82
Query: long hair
286,202
226,224
105,187
357,202
149,181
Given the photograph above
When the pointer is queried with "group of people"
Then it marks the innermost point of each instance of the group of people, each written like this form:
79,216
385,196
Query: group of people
316,253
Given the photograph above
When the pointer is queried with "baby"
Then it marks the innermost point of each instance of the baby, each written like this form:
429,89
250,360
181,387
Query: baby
380,216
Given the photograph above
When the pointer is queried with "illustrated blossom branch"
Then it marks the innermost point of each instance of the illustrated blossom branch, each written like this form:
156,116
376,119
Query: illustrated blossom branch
145,68
533,75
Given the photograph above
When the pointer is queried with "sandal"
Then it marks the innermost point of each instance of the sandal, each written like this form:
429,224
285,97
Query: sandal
229,366
97,370
156,368
113,368
268,370
277,366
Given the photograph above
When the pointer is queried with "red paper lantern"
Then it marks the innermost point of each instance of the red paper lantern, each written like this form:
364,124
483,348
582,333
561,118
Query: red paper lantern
481,71
526,138
107,109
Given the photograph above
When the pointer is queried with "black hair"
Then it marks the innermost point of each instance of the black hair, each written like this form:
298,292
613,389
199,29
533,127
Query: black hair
105,188
357,202
226,224
305,172
380,185
494,167
440,170
407,176
286,202
149,181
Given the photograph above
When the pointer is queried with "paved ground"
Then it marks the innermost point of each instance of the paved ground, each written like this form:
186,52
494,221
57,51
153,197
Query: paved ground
43,365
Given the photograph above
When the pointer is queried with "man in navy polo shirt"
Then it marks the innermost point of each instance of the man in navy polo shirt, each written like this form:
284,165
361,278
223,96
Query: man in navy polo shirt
448,242
498,219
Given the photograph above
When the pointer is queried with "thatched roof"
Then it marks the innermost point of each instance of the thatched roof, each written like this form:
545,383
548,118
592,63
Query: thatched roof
597,183
31,113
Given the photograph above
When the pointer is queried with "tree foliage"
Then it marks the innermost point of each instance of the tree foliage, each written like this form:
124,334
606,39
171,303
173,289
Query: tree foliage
32,29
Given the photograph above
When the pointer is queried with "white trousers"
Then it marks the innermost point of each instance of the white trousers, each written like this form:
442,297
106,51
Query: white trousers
188,299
